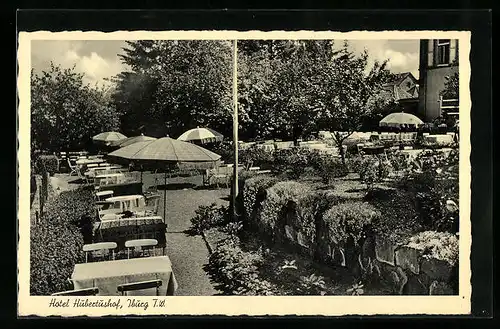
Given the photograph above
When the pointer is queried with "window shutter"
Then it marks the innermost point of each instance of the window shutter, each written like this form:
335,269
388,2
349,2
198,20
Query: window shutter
430,52
453,50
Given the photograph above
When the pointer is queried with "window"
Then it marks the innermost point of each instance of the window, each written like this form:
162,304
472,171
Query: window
443,52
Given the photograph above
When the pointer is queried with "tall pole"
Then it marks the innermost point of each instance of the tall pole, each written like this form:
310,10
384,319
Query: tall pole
165,198
235,126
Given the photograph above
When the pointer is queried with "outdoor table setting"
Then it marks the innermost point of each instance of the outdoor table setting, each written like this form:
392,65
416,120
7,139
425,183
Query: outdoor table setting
89,161
116,207
108,275
121,230
114,178
96,171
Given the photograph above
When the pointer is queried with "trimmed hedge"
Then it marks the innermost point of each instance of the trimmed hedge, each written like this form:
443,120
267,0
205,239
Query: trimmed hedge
253,187
347,222
57,241
274,205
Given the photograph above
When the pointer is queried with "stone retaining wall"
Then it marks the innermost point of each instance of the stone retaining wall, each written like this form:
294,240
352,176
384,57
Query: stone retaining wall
410,272
407,270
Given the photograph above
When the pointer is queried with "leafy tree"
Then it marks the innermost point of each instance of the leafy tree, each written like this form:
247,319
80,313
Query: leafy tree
65,112
277,80
178,84
349,92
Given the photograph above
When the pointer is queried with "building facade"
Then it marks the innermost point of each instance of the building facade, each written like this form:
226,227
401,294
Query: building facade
438,60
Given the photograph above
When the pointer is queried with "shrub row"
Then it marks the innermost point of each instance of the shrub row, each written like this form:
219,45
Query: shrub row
57,241
294,213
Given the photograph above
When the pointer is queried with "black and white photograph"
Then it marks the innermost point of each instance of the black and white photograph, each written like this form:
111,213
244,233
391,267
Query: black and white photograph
330,165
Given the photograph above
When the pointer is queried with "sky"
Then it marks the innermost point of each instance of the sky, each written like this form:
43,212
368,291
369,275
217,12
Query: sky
99,59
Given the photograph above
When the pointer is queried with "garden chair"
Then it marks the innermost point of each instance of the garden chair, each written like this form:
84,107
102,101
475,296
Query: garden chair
79,292
100,250
141,285
207,177
152,204
75,169
102,195
141,245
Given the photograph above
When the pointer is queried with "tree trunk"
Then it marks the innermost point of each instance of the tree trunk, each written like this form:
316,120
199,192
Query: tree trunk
342,153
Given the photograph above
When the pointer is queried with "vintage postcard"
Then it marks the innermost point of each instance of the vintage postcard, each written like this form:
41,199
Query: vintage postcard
244,173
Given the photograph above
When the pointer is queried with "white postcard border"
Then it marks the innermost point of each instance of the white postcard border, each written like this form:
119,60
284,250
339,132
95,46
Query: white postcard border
236,305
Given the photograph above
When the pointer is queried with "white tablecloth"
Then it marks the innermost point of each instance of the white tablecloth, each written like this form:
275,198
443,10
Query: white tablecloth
108,275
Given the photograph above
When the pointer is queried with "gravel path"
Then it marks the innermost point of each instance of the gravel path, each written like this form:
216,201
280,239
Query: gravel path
188,253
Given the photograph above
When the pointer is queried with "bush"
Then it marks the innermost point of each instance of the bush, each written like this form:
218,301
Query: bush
348,222
372,170
434,182
208,217
274,205
399,163
57,241
292,162
398,218
236,272
354,163
328,167
224,149
47,163
255,156
312,285
439,245
254,187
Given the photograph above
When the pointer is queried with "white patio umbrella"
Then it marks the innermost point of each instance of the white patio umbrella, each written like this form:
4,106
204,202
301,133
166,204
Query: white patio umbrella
399,119
164,151
108,137
201,135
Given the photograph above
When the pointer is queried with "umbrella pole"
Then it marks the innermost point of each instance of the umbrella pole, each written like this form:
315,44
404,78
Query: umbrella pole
165,199
235,130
